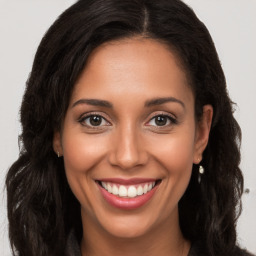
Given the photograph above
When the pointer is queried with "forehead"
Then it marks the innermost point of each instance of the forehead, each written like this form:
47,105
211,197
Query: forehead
133,67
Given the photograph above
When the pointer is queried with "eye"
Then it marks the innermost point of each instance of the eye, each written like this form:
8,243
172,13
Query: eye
94,121
161,120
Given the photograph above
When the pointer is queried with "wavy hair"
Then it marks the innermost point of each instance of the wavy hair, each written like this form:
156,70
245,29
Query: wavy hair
42,210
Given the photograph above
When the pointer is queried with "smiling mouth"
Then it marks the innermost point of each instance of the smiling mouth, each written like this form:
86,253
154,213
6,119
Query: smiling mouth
128,191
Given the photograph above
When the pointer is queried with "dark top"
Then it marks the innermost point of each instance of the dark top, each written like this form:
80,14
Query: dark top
197,249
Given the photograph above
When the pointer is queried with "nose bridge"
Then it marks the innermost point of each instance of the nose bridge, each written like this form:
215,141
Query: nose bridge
127,150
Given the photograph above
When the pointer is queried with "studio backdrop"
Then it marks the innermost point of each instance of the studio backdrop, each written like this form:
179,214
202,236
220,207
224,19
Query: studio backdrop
232,24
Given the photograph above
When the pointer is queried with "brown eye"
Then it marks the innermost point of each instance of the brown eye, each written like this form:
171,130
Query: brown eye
161,120
93,121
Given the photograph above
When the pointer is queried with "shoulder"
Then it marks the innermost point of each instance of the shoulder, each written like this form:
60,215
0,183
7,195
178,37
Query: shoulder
199,249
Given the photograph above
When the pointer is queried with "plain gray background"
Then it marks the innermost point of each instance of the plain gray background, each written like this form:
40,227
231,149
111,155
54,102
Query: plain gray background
232,24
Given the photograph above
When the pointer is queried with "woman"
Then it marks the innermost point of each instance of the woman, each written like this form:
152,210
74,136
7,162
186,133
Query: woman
129,144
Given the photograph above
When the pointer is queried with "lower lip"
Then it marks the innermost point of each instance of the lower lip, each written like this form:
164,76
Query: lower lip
127,203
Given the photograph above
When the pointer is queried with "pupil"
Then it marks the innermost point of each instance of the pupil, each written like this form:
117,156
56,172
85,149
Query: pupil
95,120
161,120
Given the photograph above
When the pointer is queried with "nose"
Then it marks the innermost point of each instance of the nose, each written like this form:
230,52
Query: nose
128,150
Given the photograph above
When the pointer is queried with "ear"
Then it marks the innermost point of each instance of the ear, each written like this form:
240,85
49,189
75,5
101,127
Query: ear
57,146
202,133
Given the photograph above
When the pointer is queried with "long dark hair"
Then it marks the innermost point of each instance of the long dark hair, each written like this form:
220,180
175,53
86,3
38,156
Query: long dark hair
42,210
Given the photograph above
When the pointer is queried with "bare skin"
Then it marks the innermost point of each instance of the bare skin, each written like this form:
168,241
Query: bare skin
115,128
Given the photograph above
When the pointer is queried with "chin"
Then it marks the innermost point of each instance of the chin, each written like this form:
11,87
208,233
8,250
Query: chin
128,227
127,231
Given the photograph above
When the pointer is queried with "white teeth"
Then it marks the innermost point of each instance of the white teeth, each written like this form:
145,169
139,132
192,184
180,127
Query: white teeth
145,189
104,184
115,190
132,191
122,191
140,191
109,188
128,191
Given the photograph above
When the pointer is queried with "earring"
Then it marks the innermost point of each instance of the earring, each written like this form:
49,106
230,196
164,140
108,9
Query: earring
58,153
201,172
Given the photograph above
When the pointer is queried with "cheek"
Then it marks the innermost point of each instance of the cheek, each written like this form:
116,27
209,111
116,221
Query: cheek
174,154
175,151
178,161
81,152
181,155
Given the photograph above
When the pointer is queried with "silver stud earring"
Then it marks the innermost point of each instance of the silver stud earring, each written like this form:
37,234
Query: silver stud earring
201,172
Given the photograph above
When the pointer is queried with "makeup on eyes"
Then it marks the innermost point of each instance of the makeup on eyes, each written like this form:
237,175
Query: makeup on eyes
163,117
158,114
97,119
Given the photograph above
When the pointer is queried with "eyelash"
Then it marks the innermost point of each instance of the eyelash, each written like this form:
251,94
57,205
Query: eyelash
171,119
83,118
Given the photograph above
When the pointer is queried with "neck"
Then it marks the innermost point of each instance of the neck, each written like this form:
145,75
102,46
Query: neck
165,240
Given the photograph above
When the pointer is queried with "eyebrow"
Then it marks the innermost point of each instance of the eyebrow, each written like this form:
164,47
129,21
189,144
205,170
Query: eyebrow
107,104
160,101
93,102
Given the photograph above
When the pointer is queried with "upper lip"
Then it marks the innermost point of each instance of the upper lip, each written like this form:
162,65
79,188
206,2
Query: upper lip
131,181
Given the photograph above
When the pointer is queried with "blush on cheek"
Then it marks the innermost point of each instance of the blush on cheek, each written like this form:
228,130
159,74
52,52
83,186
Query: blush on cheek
82,152
179,155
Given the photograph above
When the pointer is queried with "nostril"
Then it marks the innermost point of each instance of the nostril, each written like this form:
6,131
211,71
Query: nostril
127,159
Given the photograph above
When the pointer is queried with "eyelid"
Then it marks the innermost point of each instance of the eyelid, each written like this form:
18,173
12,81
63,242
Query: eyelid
86,115
171,117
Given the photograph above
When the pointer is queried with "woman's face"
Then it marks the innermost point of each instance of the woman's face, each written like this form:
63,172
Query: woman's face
129,138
